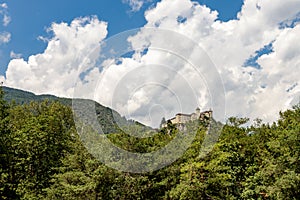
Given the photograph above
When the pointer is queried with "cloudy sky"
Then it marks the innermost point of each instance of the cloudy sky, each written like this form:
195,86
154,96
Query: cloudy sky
238,58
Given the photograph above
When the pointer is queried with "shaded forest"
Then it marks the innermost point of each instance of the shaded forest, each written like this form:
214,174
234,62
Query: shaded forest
42,157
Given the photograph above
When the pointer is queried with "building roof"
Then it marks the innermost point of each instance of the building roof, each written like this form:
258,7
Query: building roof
172,118
183,114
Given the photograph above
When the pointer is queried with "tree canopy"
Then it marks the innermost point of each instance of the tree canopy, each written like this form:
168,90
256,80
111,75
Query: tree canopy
42,157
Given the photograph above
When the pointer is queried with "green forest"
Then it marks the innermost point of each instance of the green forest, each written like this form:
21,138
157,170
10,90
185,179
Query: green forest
42,157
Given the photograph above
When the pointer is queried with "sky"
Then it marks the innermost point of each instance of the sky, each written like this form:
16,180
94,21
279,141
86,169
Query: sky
250,53
32,18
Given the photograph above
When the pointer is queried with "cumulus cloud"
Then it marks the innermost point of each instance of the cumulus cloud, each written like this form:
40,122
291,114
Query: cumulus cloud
280,72
154,82
148,89
229,44
54,70
4,37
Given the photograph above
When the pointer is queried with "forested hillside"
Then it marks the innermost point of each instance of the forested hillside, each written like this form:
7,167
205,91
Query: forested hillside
109,119
42,157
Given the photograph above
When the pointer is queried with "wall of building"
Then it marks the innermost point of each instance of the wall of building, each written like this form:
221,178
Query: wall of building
184,118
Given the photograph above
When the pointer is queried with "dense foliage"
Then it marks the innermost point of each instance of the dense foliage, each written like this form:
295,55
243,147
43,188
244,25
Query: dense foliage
109,119
42,157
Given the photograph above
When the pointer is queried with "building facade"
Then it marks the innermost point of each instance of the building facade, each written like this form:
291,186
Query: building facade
180,119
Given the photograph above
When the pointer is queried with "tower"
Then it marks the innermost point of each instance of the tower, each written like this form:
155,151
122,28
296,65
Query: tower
198,112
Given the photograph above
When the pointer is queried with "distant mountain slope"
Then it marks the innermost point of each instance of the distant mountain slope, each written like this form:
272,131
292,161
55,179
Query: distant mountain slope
109,119
24,97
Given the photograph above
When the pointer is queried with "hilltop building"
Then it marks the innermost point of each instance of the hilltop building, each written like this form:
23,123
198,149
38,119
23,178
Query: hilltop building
180,119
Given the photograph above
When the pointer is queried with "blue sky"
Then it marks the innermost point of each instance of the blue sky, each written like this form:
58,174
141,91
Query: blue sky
31,18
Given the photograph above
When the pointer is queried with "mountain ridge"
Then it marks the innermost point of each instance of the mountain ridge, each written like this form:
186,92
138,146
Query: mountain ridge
109,119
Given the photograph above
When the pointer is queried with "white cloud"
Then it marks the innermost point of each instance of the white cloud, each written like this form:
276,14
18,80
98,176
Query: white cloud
14,55
3,12
2,79
280,72
135,5
249,91
230,44
4,37
6,20
54,70
4,5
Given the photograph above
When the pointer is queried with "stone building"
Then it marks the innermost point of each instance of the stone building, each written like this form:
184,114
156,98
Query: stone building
180,119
